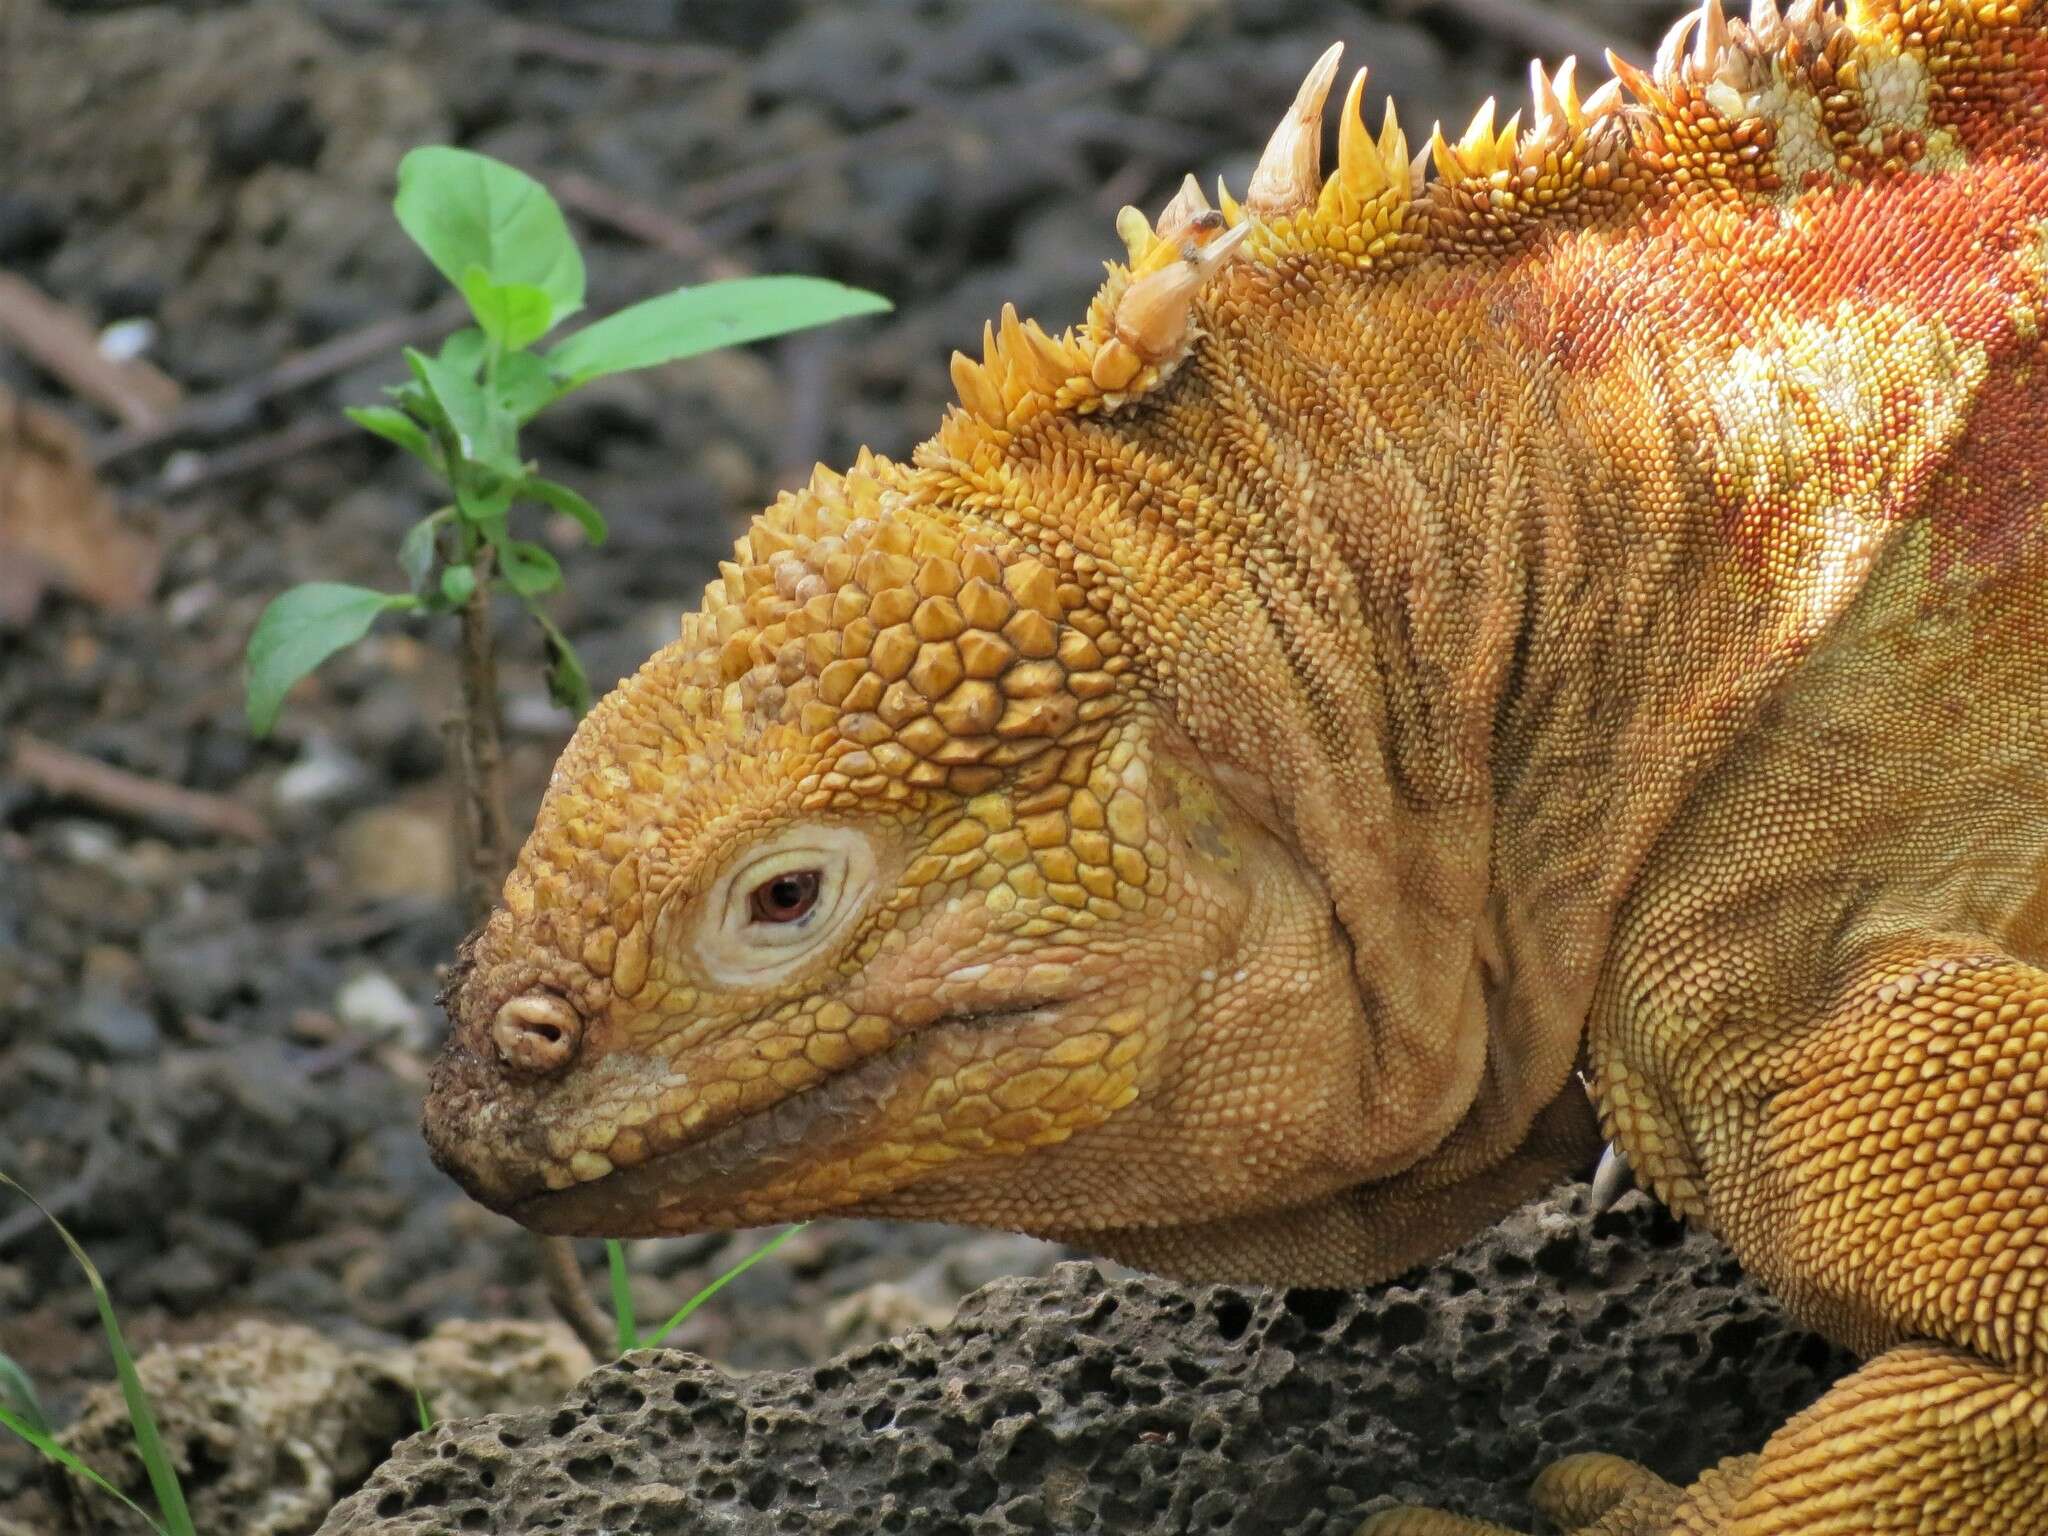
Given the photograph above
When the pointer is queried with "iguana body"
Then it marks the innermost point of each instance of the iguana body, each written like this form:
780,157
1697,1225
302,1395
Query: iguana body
1418,641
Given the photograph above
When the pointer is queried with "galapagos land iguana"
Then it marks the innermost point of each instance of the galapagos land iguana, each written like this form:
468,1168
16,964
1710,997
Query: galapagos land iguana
1448,661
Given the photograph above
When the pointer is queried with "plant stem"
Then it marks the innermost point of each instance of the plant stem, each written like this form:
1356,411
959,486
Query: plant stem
484,835
483,848
570,1294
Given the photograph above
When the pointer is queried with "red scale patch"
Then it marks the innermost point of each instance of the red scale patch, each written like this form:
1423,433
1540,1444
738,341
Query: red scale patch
1990,507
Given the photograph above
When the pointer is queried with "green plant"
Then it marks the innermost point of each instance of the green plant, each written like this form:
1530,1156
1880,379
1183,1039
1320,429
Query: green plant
18,1396
629,1336
26,1419
499,238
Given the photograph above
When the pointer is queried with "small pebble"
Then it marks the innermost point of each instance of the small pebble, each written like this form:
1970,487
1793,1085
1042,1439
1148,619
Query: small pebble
126,340
371,1003
91,843
323,774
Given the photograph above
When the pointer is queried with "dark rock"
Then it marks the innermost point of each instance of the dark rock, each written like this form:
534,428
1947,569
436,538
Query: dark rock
184,1279
255,1133
297,1291
198,964
219,753
29,229
248,135
108,1026
1078,1403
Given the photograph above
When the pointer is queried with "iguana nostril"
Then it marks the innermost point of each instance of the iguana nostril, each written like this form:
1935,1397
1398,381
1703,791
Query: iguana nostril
536,1032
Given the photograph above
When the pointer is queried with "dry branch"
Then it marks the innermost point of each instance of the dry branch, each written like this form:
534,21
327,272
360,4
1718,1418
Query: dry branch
59,771
644,222
64,343
230,409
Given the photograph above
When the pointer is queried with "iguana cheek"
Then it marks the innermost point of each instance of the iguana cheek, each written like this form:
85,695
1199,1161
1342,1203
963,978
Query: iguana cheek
974,1098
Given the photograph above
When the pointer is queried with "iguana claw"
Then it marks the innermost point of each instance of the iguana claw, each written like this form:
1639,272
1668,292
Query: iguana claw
1612,1179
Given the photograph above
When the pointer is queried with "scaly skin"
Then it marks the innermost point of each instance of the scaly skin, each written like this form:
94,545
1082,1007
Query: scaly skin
1419,639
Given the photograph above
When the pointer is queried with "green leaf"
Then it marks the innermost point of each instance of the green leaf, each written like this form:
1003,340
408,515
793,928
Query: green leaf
416,550
465,209
394,426
528,569
484,498
512,314
44,1441
653,1339
525,387
302,628
419,1401
569,504
483,432
18,1396
149,1445
464,350
419,405
700,319
622,1296
458,584
568,683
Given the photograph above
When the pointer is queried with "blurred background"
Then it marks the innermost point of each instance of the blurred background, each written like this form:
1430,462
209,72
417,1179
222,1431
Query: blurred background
218,956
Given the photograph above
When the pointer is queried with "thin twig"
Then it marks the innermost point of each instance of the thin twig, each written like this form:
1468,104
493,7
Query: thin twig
807,374
644,222
670,61
64,343
570,1293
229,409
59,771
307,436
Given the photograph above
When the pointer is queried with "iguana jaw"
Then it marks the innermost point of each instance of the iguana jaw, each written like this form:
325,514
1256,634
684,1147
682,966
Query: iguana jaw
705,1183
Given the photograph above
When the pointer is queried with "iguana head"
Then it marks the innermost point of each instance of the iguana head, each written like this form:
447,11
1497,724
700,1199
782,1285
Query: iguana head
886,887
894,886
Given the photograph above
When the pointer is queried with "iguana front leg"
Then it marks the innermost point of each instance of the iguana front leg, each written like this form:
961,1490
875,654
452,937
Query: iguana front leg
1595,1496
1922,1439
1885,1171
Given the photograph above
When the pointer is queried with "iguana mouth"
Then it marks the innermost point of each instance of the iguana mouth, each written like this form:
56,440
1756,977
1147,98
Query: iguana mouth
713,1171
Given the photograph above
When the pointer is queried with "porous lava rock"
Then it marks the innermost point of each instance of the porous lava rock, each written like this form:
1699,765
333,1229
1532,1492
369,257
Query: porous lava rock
1080,1403
266,1425
270,1423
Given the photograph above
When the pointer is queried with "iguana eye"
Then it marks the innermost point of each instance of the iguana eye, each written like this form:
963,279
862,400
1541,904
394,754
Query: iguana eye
781,903
787,898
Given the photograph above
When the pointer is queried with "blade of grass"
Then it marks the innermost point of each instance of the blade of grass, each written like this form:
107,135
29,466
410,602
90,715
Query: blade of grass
149,1444
711,1290
44,1442
622,1296
419,1401
19,1392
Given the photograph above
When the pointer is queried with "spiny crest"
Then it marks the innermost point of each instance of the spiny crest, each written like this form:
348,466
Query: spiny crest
1773,105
